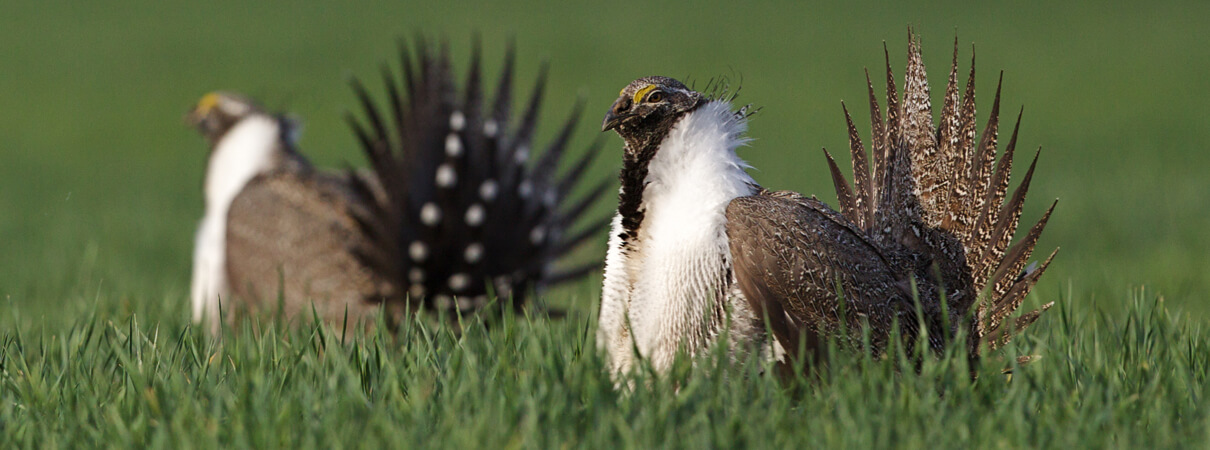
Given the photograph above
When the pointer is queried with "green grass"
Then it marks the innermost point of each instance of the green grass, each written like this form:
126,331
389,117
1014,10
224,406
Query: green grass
1136,380
100,194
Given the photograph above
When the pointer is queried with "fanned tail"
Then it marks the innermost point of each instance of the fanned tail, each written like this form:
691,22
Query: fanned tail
460,211
937,195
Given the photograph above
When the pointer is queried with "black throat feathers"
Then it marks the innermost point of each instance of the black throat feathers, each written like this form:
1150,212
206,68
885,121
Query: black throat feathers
643,140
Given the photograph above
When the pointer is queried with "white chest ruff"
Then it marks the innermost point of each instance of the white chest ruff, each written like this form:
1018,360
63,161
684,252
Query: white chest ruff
671,287
245,151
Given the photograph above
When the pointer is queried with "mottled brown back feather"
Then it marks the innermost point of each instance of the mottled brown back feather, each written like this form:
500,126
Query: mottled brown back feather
791,252
288,237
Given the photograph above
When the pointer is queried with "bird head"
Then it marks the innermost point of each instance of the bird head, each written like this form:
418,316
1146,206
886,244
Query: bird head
217,112
648,107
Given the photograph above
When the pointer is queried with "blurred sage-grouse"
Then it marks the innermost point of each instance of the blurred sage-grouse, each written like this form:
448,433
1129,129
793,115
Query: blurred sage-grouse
451,209
698,247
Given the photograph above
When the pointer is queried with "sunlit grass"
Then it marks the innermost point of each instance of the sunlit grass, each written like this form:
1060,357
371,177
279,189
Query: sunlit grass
1139,379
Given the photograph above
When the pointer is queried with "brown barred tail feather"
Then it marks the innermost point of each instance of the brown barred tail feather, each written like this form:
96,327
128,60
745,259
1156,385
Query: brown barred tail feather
939,194
922,238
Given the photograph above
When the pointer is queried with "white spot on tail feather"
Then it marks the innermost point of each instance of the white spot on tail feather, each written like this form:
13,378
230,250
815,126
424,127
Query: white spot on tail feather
416,291
473,252
475,215
537,235
418,251
459,281
525,189
430,214
446,177
487,190
457,121
466,303
443,302
522,154
453,145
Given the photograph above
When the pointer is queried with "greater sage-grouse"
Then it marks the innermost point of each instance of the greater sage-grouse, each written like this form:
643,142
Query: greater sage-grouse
698,248
451,210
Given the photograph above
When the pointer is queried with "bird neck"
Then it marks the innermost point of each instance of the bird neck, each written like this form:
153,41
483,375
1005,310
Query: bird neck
633,179
694,160
251,147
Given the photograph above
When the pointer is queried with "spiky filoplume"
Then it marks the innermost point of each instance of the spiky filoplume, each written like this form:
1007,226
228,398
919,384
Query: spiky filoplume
931,215
466,206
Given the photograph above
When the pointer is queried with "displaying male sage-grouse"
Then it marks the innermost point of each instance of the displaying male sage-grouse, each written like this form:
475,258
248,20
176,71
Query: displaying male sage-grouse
697,246
450,206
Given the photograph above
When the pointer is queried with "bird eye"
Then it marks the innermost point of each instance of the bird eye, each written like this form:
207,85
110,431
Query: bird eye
655,97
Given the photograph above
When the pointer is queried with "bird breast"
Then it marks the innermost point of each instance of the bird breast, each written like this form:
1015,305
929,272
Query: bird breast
676,271
247,149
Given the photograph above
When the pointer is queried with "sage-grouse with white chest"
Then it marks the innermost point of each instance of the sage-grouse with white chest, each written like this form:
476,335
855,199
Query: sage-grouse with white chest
451,207
698,248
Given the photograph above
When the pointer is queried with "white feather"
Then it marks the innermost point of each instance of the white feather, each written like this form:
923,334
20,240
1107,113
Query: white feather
245,151
663,292
613,329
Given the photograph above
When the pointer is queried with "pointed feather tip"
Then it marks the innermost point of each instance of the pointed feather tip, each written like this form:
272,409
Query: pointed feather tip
510,45
476,42
476,54
349,78
384,70
578,105
913,42
543,68
443,50
1046,262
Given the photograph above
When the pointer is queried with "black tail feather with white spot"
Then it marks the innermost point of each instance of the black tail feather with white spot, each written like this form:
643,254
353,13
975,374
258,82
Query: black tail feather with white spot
461,212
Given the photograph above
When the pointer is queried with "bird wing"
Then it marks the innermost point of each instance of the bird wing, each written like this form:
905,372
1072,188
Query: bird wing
807,269
291,238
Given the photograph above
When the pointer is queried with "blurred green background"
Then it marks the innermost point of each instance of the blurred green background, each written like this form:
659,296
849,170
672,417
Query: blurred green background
100,178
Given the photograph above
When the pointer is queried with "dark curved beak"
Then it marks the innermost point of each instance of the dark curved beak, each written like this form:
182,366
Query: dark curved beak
613,119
